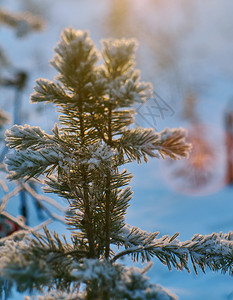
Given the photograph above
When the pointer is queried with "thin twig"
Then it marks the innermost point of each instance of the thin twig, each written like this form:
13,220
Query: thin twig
15,220
128,251
53,215
4,186
43,224
42,197
8,196
26,229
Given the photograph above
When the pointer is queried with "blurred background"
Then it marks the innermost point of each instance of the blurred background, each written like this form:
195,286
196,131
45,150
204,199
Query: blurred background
185,48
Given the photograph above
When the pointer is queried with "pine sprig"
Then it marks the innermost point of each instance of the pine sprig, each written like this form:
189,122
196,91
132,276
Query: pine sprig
32,163
48,91
23,137
75,59
140,143
172,143
214,251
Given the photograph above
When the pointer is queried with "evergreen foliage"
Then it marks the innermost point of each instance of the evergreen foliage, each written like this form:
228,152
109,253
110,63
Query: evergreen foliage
82,161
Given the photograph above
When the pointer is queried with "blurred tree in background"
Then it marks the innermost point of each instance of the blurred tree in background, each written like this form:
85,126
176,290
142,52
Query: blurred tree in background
14,79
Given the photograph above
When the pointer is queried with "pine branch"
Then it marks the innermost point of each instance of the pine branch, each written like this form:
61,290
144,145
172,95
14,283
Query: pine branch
75,58
48,91
30,163
172,143
56,295
23,137
141,142
29,267
118,56
53,244
214,251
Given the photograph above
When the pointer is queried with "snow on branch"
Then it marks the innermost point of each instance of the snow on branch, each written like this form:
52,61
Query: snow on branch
36,263
37,152
30,163
118,280
75,58
19,264
98,155
55,295
51,243
141,142
23,137
48,91
119,55
214,251
126,90
172,143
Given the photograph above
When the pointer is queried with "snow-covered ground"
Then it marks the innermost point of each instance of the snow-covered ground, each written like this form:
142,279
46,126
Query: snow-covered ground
185,46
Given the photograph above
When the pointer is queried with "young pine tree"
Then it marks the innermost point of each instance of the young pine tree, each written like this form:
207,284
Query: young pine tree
82,161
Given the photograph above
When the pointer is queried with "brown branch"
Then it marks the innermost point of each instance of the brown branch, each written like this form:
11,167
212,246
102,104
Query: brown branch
108,190
126,252
88,214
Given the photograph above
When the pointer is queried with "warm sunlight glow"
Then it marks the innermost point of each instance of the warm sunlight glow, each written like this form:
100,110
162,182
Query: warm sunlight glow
204,172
